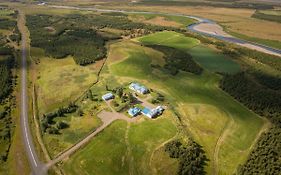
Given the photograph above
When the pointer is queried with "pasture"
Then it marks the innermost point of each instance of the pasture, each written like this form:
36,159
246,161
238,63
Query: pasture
201,104
121,148
171,39
61,81
213,61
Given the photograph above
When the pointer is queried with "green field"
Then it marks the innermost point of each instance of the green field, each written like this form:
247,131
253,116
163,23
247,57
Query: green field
121,148
61,80
193,93
213,61
171,39
224,127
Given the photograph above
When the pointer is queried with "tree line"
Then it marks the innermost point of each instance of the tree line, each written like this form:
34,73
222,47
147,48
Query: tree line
260,93
191,157
268,17
261,99
177,60
59,36
50,126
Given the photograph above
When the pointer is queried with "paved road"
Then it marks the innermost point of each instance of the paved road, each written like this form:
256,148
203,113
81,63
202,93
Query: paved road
193,28
37,167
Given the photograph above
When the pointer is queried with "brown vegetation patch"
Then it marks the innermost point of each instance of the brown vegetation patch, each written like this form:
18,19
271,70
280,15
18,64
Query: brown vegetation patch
162,22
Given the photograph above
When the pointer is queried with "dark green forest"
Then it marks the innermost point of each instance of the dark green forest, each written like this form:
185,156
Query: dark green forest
177,60
261,99
79,35
265,157
191,157
7,63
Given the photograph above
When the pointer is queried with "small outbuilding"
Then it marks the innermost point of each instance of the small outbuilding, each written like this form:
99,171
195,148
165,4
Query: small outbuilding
108,96
134,111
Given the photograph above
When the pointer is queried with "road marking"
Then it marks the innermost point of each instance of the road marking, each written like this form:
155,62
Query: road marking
28,143
24,115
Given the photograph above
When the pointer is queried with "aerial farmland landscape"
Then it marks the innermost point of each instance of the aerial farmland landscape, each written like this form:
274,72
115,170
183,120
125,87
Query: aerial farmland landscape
140,87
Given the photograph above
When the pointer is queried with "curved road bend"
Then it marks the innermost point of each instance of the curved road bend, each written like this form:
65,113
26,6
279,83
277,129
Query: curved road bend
37,168
193,28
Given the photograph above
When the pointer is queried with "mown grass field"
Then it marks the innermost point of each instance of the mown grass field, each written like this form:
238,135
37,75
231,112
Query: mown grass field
221,125
213,61
171,39
121,148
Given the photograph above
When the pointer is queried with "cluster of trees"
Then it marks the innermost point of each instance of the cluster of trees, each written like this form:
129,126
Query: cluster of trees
64,42
115,14
69,30
177,60
7,24
50,126
5,132
125,99
6,83
158,99
192,158
6,76
261,99
265,157
268,17
219,3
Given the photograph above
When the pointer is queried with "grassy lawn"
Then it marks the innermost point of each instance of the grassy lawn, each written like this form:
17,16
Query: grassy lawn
209,112
213,61
144,138
61,80
122,150
171,39
105,154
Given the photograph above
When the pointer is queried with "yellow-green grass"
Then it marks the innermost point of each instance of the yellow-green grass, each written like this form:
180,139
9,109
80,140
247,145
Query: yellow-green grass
186,90
79,127
144,138
105,154
121,149
171,39
61,81
162,164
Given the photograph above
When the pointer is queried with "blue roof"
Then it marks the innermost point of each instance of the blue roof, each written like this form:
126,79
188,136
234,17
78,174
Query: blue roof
146,111
134,111
107,96
139,88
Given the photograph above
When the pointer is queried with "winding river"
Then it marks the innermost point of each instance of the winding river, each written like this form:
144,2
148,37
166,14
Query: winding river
203,26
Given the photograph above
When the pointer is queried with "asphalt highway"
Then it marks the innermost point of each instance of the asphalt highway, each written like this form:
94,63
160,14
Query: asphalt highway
37,168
